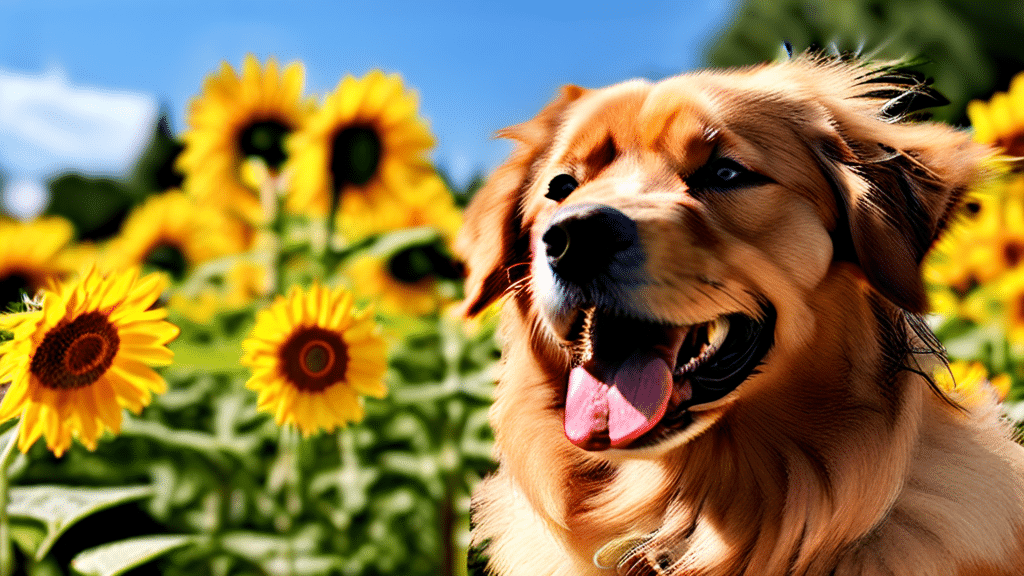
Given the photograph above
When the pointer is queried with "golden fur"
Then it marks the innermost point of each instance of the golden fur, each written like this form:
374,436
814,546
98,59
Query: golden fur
836,457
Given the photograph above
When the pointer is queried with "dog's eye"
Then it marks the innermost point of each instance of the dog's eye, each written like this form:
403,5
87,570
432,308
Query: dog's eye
723,174
560,187
726,173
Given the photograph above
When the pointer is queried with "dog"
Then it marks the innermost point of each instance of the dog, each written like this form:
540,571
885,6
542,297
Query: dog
714,361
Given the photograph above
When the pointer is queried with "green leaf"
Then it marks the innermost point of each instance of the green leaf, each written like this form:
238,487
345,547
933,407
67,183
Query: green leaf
28,536
118,557
60,507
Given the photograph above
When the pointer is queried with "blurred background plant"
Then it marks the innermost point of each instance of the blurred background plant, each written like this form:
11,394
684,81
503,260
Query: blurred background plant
269,189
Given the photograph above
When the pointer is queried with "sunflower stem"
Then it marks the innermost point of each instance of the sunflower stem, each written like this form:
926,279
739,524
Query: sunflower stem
288,444
270,188
347,468
6,552
448,527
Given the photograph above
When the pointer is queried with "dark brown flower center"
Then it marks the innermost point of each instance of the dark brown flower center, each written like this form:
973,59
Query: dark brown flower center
414,263
355,156
963,287
313,358
264,140
169,258
1013,144
75,354
1013,253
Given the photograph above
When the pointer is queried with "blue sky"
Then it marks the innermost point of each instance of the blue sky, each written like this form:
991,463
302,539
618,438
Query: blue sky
81,80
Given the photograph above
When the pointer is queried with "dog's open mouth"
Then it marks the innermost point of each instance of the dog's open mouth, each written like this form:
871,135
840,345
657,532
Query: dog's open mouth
635,381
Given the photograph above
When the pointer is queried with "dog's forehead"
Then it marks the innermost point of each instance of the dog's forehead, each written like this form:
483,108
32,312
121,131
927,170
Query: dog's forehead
664,117
684,118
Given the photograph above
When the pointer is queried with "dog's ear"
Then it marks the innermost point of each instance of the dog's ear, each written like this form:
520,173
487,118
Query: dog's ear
897,183
493,241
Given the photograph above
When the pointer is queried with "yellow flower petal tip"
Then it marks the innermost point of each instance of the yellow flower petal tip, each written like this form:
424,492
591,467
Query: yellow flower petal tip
970,382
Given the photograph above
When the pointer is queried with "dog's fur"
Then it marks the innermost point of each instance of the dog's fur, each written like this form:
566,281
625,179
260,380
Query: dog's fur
838,455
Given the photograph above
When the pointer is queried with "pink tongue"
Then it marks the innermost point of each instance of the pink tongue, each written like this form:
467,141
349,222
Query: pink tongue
632,404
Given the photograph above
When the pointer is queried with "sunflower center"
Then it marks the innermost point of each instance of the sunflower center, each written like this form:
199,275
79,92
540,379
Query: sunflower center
169,258
316,358
1013,253
412,264
75,354
11,288
85,353
1014,144
265,140
313,358
355,156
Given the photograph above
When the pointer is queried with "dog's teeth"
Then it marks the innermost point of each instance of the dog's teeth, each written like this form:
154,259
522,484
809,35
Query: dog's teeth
717,331
583,348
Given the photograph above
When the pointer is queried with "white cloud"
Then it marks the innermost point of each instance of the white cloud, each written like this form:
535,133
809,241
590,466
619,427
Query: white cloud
49,125
24,198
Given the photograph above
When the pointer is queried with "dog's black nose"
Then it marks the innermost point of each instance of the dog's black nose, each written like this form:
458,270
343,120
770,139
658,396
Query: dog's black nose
586,240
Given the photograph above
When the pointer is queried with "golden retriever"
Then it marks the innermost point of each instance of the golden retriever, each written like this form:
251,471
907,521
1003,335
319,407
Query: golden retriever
713,359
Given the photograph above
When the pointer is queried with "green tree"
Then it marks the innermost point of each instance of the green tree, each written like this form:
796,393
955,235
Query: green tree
155,170
971,48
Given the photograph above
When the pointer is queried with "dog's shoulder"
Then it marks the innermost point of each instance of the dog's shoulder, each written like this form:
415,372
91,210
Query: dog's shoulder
961,509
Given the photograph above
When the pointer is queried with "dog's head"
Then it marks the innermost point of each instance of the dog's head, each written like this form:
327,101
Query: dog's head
662,240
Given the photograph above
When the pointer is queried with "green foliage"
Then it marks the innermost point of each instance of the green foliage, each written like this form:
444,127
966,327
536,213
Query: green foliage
95,206
464,194
971,48
155,171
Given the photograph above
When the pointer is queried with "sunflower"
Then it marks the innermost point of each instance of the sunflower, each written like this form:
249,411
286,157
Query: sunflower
969,381
239,118
82,356
1000,121
173,233
31,255
312,356
1008,296
985,242
367,144
407,280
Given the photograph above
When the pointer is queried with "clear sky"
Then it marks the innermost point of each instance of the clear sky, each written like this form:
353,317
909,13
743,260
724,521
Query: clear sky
80,81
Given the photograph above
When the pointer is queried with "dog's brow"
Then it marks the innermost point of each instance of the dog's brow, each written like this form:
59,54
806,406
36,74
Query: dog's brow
674,124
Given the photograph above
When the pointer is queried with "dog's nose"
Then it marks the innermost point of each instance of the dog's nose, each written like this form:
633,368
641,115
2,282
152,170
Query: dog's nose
585,240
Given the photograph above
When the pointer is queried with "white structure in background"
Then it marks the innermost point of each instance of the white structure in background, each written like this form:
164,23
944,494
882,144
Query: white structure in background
49,126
